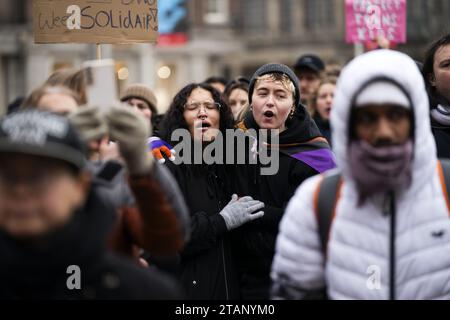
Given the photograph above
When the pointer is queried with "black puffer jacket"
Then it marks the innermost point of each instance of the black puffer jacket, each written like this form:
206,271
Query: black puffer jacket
255,243
39,270
324,127
207,269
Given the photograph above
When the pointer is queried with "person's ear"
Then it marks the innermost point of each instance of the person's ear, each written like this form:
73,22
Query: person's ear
432,79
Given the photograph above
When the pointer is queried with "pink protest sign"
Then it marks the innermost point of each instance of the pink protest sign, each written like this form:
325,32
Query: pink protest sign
371,19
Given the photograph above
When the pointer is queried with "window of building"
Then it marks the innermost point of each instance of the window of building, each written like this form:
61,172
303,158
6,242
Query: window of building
13,12
286,15
216,12
418,18
254,16
319,14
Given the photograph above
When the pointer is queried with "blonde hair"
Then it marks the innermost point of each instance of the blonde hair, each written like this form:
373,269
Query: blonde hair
74,79
32,100
242,113
285,81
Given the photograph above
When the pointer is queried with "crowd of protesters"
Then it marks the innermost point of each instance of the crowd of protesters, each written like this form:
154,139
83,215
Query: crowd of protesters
357,207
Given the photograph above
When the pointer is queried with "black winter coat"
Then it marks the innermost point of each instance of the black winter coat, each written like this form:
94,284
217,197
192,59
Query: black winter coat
324,127
39,270
440,132
255,241
442,137
207,269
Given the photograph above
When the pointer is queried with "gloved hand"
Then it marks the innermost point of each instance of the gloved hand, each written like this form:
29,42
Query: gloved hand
160,147
239,211
89,123
131,130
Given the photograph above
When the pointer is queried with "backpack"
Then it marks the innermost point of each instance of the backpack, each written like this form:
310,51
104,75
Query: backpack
328,193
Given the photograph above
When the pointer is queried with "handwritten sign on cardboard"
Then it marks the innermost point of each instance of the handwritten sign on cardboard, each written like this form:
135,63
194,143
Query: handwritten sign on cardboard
95,21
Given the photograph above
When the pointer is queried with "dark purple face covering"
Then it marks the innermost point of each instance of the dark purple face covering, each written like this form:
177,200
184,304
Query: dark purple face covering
380,169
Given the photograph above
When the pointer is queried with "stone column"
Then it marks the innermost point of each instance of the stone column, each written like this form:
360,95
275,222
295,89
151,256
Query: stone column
147,64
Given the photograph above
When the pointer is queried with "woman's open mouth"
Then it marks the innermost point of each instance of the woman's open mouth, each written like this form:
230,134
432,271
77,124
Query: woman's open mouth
268,114
203,126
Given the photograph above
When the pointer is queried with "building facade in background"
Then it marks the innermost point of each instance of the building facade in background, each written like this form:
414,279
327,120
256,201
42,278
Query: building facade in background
211,37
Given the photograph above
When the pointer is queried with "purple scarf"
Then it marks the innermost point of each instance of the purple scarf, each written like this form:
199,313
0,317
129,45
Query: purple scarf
380,169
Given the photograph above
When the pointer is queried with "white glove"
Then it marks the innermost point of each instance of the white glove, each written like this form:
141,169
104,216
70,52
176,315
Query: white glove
239,211
131,130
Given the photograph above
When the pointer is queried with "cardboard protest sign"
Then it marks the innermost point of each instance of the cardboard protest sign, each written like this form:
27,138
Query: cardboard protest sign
369,19
101,21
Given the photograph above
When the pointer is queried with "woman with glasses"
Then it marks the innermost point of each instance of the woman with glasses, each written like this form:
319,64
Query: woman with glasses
207,269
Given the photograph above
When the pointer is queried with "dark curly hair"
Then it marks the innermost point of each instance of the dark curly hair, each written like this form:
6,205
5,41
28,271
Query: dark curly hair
174,118
428,66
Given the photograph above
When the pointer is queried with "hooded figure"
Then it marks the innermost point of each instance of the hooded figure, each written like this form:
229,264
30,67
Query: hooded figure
386,241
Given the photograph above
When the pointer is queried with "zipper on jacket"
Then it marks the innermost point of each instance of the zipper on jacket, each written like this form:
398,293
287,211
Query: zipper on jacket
392,246
225,272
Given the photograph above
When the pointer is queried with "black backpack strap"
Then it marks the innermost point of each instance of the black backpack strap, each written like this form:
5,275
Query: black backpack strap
327,197
445,164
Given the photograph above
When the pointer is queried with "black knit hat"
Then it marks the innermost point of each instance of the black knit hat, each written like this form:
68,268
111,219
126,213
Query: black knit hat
42,134
275,68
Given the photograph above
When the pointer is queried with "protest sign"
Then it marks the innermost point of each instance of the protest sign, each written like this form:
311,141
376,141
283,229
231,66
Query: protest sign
372,19
102,21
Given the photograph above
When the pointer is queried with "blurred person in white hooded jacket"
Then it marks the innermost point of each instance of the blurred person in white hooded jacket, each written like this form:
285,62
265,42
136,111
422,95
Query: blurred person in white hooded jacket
389,228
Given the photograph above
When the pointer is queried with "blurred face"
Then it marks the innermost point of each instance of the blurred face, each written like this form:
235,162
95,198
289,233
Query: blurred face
382,125
38,195
237,100
272,102
59,103
325,96
140,106
202,115
309,81
441,68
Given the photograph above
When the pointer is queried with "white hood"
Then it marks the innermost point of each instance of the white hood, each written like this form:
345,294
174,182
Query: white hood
403,70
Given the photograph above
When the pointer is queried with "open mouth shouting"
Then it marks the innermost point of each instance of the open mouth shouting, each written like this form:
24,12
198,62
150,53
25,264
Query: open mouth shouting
202,126
269,114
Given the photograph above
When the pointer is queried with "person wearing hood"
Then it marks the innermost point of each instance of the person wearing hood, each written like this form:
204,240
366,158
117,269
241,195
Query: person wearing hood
436,72
207,266
389,224
274,96
54,223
